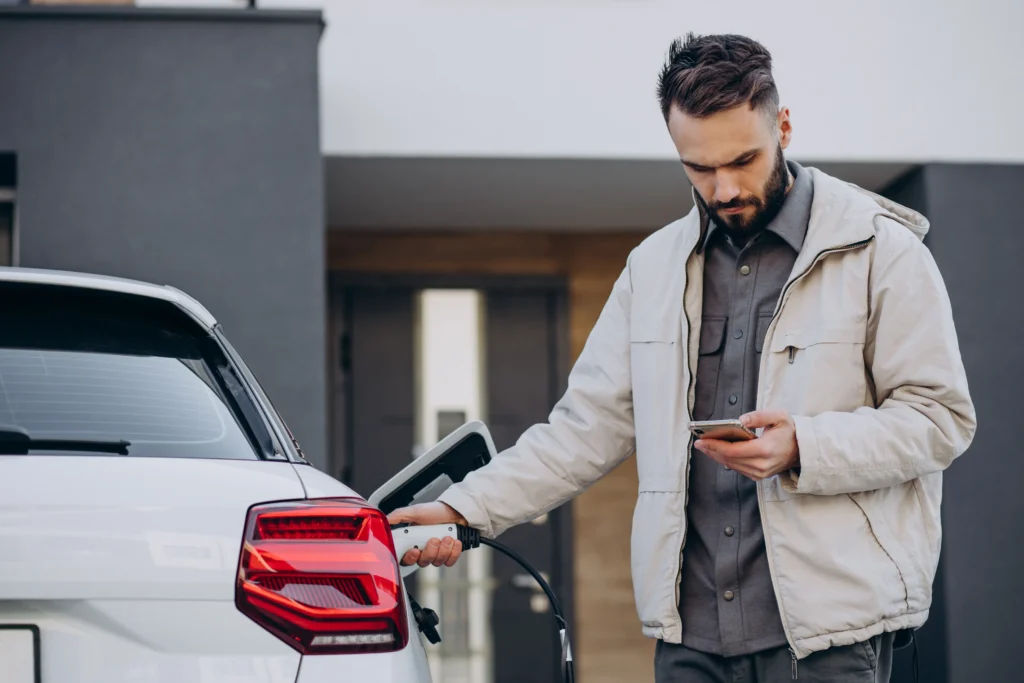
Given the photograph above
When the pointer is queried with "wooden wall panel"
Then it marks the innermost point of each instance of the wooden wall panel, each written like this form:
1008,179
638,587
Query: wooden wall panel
608,642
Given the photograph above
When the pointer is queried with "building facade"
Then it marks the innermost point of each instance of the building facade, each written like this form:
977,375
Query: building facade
343,182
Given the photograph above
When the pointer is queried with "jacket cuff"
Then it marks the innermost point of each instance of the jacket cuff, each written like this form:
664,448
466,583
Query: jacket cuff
806,480
463,503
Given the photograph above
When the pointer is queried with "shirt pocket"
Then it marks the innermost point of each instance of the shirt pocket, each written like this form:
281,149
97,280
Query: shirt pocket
709,364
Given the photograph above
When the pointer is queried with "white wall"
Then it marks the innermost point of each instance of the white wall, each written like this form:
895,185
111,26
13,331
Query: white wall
904,80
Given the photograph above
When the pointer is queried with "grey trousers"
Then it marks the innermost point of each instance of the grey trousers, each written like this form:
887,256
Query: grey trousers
867,662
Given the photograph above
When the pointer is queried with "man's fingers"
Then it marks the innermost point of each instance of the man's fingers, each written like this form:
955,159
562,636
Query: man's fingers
440,552
763,418
456,553
444,551
429,552
718,449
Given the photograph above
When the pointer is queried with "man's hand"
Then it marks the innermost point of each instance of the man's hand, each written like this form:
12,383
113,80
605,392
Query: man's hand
438,552
775,451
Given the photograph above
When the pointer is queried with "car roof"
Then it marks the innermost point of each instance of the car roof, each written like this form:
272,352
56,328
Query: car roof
106,283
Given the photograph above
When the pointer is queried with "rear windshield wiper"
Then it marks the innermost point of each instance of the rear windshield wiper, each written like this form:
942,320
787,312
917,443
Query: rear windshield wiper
16,441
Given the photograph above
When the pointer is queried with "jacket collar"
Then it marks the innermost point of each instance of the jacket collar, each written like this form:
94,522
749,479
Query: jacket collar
703,220
841,214
790,224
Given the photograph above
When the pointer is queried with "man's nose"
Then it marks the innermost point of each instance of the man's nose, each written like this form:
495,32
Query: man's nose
726,188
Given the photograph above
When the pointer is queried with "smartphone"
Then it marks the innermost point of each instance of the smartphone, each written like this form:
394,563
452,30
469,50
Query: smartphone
725,430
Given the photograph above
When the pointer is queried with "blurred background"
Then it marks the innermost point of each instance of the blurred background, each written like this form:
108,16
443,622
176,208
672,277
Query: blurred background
408,214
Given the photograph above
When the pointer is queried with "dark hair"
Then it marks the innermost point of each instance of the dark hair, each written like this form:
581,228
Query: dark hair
704,75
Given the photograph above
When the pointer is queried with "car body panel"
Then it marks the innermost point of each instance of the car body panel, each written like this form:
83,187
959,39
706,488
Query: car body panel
127,566
320,485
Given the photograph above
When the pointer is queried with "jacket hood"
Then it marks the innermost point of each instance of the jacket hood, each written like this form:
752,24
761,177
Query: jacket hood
856,200
910,219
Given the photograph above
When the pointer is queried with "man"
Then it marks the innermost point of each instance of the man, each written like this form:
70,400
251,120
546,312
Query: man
811,311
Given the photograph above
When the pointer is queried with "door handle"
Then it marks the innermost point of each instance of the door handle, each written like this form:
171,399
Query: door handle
538,599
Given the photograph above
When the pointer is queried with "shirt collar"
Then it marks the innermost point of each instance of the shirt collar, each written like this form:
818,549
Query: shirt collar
791,222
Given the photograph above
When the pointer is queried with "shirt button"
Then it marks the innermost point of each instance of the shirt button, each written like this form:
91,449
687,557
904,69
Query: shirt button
738,334
733,399
729,531
744,270
729,595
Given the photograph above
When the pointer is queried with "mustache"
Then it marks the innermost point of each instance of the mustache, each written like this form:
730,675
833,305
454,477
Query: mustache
734,204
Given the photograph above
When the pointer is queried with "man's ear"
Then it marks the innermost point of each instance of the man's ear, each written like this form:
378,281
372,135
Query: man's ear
785,127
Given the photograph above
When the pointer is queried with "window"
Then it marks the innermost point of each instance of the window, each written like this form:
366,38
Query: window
100,367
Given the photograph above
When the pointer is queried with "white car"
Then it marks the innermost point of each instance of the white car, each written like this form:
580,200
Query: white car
158,524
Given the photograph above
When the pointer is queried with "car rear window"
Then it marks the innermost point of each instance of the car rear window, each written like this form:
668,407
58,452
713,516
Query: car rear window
96,366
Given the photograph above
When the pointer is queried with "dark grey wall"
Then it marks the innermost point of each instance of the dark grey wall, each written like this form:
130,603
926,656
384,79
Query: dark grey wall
978,242
977,238
933,636
181,148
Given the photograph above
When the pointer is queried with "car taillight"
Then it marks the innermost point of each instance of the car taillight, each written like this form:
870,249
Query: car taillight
321,575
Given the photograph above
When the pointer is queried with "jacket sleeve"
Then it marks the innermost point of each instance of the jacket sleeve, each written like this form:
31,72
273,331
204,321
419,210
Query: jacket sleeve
589,432
924,417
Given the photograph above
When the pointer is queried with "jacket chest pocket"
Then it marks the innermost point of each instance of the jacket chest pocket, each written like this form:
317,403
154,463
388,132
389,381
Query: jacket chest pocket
819,369
655,364
823,339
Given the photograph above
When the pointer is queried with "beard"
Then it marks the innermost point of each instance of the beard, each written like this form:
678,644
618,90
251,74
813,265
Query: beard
766,207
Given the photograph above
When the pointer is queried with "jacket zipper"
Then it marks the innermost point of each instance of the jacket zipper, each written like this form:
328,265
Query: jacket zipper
760,390
689,441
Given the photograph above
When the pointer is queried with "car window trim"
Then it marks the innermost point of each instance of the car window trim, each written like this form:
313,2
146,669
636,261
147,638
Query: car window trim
285,449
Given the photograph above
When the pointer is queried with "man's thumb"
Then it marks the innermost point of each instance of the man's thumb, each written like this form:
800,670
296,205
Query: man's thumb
762,418
409,514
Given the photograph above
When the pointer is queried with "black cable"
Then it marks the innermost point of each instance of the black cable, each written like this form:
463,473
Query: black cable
917,675
555,605
470,538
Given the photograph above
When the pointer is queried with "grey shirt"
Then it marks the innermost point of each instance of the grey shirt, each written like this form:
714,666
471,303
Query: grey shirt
726,598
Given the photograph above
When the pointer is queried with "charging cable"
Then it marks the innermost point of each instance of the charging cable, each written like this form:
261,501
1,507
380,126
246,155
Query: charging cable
408,537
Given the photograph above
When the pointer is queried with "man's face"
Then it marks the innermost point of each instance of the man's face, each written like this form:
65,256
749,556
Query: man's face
734,160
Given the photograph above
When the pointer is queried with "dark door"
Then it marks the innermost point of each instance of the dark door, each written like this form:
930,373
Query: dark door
525,376
373,433
374,397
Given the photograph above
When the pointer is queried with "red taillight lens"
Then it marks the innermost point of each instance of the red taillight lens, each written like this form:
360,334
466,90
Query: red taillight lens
321,575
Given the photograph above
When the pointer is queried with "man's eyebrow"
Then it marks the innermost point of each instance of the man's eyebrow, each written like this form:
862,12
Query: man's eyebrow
746,156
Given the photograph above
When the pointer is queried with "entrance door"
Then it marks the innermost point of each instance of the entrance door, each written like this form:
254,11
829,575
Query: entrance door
524,379
495,620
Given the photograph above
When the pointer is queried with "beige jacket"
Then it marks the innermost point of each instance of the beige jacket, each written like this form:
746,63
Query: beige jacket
861,351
